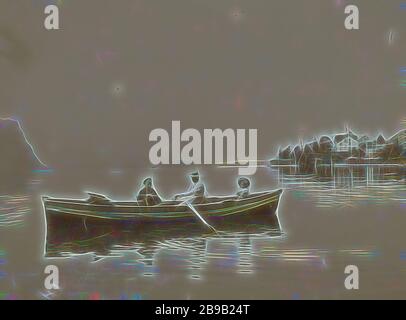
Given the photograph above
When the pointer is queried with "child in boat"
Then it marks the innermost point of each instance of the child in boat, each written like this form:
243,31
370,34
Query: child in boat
244,184
147,196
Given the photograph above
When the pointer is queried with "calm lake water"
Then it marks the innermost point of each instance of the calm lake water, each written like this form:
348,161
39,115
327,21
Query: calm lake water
327,223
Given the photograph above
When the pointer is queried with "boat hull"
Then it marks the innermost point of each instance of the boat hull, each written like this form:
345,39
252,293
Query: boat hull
71,222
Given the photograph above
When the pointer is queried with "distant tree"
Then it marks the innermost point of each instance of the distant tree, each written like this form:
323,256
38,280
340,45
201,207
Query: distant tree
380,139
285,153
325,144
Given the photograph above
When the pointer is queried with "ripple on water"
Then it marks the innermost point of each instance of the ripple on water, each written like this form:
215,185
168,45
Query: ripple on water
13,210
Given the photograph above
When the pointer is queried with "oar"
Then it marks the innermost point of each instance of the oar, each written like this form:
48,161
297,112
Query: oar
198,215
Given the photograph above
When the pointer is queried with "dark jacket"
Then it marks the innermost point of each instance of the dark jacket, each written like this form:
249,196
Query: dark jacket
148,196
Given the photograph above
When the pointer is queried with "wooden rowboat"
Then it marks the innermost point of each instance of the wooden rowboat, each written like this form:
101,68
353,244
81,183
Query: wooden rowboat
71,219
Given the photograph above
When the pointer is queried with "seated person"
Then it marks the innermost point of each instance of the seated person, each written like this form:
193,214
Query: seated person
197,191
244,187
147,196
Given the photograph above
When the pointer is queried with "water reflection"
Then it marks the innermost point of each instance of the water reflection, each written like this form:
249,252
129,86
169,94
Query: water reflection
13,210
222,251
347,185
198,259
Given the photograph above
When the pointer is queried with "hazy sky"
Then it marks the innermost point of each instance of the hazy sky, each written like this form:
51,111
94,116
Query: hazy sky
90,93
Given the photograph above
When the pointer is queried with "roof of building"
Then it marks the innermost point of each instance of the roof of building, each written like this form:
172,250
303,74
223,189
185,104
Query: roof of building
341,136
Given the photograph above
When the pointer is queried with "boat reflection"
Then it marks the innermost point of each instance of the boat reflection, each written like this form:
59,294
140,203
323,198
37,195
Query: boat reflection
223,251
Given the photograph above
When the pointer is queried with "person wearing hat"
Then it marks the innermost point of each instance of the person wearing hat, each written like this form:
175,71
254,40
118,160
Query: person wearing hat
197,191
244,187
147,196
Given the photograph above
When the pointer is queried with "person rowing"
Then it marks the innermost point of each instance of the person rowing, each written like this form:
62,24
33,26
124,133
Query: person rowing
196,193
